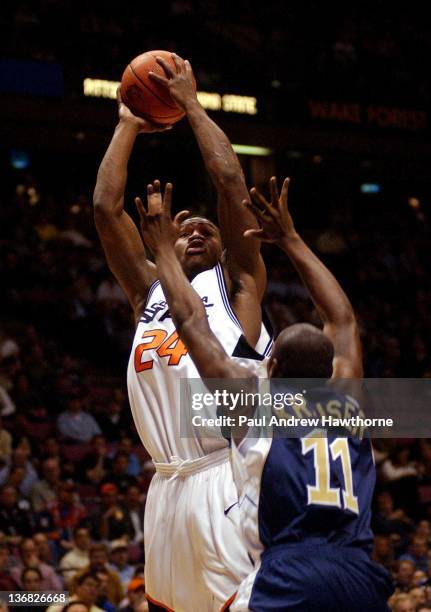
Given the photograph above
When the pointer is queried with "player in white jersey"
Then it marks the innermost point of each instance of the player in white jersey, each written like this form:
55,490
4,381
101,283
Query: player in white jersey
306,517
194,556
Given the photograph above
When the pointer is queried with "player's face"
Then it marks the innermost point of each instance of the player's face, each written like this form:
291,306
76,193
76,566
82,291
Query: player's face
198,246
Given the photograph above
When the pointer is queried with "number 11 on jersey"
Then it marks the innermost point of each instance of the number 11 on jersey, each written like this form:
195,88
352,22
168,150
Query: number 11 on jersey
322,492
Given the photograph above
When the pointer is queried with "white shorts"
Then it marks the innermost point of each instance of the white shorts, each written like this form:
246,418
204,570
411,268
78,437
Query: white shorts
194,555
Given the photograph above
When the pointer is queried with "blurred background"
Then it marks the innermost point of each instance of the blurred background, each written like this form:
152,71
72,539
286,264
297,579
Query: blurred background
343,99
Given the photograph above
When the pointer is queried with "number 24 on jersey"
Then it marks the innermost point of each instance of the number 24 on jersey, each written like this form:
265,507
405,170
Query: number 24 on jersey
156,339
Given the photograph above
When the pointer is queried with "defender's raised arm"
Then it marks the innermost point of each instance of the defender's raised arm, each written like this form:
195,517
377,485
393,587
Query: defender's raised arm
329,298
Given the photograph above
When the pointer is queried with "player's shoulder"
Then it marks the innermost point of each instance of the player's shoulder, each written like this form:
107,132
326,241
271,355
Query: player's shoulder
153,294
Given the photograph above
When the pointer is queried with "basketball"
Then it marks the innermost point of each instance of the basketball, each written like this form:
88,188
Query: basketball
145,97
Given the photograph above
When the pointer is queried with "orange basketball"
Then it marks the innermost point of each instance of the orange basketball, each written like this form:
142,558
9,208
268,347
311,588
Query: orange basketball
147,98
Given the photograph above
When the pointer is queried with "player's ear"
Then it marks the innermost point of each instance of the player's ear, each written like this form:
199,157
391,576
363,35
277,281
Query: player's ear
272,367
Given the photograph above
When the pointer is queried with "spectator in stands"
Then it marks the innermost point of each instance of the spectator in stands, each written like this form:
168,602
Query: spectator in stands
36,362
5,444
30,559
125,446
94,467
8,346
45,490
78,558
119,475
15,479
86,590
62,515
20,458
399,465
51,449
7,407
135,510
387,519
23,394
8,368
140,572
109,293
113,519
99,562
7,582
418,596
103,598
404,576
120,562
15,523
76,425
32,409
403,603
76,606
37,422
44,549
113,422
417,553
419,578
423,530
383,551
136,601
31,579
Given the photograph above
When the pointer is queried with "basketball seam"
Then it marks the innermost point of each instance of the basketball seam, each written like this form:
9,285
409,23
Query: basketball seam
152,91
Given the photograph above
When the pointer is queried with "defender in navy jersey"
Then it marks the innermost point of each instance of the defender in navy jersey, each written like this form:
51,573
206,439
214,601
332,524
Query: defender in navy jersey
306,509
305,502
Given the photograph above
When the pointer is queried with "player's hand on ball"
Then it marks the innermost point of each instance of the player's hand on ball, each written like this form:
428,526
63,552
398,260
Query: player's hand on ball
180,82
273,217
157,227
141,125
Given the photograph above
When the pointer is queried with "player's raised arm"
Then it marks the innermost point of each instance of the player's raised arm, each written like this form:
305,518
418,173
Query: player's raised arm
185,305
329,298
122,243
225,172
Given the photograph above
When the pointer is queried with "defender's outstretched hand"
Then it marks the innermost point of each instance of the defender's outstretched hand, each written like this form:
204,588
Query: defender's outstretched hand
157,227
142,125
180,81
274,218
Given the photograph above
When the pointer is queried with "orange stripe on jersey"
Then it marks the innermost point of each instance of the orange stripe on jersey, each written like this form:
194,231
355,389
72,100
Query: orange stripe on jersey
157,603
227,604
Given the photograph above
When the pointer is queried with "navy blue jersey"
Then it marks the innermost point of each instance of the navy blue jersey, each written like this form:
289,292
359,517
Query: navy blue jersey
305,503
305,506
318,487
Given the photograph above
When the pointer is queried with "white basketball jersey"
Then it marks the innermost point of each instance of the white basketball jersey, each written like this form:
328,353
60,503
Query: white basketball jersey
159,360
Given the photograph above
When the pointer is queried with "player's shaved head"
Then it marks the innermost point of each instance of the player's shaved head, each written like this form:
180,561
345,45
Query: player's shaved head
301,351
